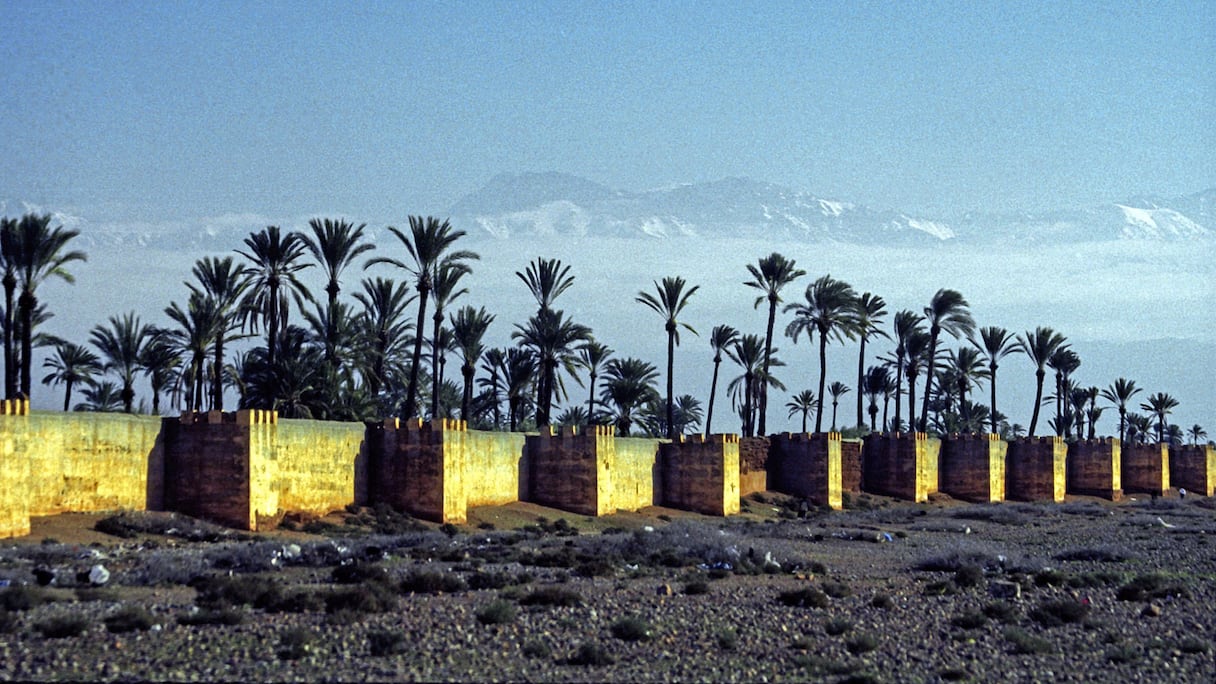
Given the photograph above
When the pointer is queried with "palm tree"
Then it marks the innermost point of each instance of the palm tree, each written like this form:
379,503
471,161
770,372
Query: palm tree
946,311
41,253
906,323
493,362
837,389
996,343
721,338
877,382
1040,346
546,279
335,245
519,370
628,386
159,360
275,261
225,284
199,324
71,364
1119,393
446,289
122,345
916,352
592,356
1197,433
428,246
1138,427
469,326
670,300
1064,362
968,370
770,276
9,243
554,339
830,310
871,309
803,403
101,397
385,332
748,352
1160,405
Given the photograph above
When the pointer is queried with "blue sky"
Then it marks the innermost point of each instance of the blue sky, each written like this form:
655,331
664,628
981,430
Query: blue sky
148,111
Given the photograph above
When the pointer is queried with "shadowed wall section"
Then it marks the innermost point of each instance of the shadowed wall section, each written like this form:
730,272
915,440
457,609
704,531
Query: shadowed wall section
1035,469
904,466
753,465
1146,468
808,466
700,474
1194,468
1094,468
973,467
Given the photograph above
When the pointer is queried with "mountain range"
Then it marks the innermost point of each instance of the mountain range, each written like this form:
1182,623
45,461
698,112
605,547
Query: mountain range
513,206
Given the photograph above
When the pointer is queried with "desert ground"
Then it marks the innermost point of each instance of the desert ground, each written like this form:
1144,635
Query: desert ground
884,591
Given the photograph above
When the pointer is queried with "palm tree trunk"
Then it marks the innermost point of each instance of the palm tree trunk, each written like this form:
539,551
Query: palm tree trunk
886,403
671,360
924,409
272,328
67,395
27,305
768,353
466,397
823,373
1038,399
912,403
1122,421
899,381
437,321
10,358
713,391
591,400
992,372
411,393
861,362
747,404
217,379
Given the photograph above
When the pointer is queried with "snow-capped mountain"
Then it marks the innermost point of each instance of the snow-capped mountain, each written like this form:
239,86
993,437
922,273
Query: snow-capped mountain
552,204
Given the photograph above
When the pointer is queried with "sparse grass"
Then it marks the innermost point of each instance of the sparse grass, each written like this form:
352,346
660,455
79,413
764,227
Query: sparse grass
940,588
1093,555
428,582
20,597
221,616
1150,587
1193,645
1060,612
591,654
552,596
836,589
969,620
385,642
882,601
696,587
130,619
837,626
223,592
1001,611
969,576
1122,654
497,613
62,626
804,598
369,597
862,643
727,639
1024,643
8,622
294,644
1050,578
632,628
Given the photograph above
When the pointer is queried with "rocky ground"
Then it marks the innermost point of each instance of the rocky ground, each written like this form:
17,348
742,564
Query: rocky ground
883,591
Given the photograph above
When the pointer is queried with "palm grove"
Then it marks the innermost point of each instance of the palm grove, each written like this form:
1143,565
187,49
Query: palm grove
383,348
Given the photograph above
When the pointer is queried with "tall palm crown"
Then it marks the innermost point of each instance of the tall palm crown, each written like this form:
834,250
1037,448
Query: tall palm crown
335,244
1118,394
71,365
429,246
447,289
669,301
720,339
159,360
770,275
592,357
546,279
628,386
947,311
837,389
1064,362
40,253
748,352
225,284
803,403
877,382
1160,404
830,309
1196,433
916,357
996,343
554,339
275,262
871,310
967,369
469,327
906,323
198,326
1039,347
385,330
121,345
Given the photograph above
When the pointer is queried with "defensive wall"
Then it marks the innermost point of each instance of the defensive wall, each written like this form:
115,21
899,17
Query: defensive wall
246,469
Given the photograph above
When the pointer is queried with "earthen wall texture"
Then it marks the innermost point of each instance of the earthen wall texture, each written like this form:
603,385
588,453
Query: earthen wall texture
1146,468
207,473
565,470
1094,468
1193,468
1035,469
850,466
904,466
972,468
14,477
494,462
633,477
320,466
701,475
808,466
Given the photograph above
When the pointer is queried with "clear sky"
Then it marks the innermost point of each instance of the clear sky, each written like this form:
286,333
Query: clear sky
166,110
